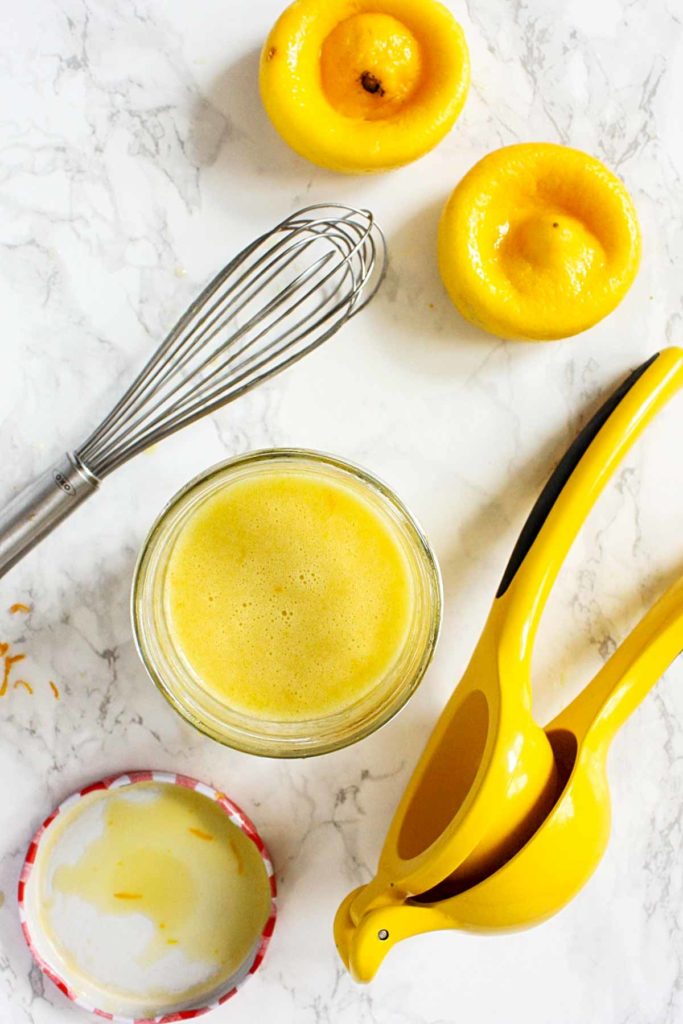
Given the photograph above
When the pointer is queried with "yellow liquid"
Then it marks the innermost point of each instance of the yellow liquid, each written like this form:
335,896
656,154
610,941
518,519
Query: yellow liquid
176,858
289,596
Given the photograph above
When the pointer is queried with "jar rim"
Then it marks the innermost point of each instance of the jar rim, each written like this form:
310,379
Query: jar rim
256,735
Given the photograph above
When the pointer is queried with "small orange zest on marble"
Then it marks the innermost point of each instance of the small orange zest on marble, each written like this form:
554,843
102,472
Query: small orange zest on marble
10,659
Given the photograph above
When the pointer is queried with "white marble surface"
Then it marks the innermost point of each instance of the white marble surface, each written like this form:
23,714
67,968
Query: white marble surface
135,159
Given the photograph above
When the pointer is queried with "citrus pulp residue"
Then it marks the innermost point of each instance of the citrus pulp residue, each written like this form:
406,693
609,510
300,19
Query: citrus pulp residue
174,857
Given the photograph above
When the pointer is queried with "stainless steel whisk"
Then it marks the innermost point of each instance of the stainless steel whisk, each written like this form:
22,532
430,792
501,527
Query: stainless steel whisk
277,300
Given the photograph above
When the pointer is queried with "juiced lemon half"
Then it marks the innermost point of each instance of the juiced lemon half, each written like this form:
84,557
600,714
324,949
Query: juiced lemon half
364,85
538,241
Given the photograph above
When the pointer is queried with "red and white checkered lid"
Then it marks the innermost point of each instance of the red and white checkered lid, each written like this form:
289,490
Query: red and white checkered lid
236,816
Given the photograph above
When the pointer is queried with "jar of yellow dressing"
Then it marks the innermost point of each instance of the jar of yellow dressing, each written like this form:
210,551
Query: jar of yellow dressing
286,603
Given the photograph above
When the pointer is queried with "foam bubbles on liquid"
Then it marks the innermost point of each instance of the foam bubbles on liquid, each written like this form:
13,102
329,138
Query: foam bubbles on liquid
289,595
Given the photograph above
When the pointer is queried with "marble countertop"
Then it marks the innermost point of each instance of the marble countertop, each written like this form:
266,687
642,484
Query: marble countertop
135,159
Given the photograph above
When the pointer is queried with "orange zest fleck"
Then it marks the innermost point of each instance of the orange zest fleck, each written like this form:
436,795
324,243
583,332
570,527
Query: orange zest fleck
10,659
200,834
20,607
171,942
55,691
128,895
27,686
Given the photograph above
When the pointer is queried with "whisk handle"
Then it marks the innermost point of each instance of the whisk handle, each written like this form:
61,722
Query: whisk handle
40,506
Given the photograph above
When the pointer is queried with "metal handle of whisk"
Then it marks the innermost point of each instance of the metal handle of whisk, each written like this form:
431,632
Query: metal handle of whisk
38,508
280,298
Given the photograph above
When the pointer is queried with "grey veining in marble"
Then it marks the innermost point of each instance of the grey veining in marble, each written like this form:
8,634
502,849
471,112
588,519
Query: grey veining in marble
135,158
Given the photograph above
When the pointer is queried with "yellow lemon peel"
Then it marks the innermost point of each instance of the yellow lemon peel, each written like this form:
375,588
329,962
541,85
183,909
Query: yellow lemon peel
364,85
538,241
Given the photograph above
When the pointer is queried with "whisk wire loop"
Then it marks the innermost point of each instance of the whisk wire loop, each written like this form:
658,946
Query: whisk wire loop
277,300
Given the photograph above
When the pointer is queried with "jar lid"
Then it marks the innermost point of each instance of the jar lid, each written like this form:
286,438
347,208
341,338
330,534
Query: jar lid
148,895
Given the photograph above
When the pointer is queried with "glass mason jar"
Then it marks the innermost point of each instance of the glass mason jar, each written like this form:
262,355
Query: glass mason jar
183,688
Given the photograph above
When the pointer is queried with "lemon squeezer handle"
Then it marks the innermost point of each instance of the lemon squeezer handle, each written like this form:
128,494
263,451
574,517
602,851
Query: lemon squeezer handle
629,674
573,489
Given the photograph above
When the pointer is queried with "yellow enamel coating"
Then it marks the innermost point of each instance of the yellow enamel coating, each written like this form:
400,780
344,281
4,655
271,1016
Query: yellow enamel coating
538,241
364,85
526,881
444,825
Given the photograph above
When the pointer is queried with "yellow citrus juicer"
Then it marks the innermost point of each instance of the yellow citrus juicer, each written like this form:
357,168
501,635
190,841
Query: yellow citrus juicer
466,774
488,776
